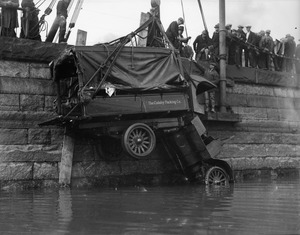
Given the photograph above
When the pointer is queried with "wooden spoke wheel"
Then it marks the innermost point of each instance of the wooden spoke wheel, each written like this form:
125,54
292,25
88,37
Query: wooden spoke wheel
216,176
139,140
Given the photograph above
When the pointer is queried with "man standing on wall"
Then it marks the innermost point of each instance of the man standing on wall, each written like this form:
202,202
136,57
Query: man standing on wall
30,17
59,22
210,96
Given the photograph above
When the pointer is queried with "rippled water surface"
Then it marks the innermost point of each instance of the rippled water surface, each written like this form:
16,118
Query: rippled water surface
244,208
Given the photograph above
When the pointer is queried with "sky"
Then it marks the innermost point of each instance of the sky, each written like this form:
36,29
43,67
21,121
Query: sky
106,20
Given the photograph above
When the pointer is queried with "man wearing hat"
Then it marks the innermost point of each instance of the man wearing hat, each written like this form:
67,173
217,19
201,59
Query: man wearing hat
215,43
212,75
172,32
241,31
250,53
184,50
289,52
267,44
201,46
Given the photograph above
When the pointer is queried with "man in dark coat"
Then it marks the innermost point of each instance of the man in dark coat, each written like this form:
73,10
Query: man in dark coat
184,49
250,51
267,45
210,96
30,16
9,21
242,41
172,32
215,44
201,46
289,53
59,22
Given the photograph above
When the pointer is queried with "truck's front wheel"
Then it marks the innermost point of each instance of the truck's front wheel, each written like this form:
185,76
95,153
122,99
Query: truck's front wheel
216,176
139,140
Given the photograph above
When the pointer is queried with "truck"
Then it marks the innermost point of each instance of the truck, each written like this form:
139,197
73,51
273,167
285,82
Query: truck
130,96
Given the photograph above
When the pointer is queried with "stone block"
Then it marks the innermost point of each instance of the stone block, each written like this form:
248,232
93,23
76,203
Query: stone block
288,138
285,103
243,150
252,90
9,101
267,126
13,119
95,169
277,150
30,153
248,137
262,101
16,171
39,136
283,92
57,135
237,100
49,103
84,152
251,113
265,163
14,69
41,71
296,93
32,102
151,167
273,114
130,167
26,86
289,115
13,136
297,103
45,171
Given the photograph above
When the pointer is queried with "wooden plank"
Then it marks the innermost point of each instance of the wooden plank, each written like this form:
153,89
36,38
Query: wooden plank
65,172
142,40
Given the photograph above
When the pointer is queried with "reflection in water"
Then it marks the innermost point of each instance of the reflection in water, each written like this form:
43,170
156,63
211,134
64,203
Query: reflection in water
245,208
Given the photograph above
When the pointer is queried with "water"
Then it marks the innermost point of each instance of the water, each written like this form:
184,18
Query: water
244,208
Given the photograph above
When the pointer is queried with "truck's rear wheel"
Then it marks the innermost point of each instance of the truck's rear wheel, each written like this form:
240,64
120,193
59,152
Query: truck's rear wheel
139,140
216,176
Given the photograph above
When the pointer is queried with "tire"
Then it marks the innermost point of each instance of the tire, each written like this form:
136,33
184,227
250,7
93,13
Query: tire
216,176
139,140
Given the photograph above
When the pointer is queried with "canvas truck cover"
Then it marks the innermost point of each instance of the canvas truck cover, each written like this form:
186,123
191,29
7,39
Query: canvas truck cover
135,68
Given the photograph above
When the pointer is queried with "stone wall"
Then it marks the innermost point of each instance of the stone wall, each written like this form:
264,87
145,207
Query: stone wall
28,153
265,140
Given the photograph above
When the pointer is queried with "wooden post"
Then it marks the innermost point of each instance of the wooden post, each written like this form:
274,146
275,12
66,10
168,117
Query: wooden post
142,40
81,38
66,159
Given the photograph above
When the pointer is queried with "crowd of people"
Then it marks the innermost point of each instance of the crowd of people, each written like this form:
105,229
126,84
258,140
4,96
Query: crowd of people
30,23
244,48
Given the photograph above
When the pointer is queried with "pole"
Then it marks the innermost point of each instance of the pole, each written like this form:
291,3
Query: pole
203,19
222,46
186,33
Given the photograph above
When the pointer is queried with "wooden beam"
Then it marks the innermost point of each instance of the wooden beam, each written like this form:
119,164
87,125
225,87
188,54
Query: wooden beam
65,172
